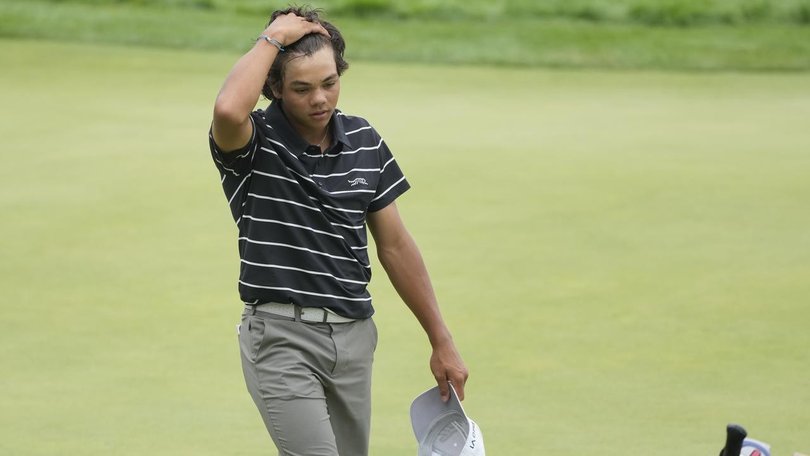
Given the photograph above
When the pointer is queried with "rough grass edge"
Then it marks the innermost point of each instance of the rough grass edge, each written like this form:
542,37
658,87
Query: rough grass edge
664,13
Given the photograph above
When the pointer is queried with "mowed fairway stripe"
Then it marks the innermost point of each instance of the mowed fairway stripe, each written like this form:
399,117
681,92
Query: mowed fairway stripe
622,257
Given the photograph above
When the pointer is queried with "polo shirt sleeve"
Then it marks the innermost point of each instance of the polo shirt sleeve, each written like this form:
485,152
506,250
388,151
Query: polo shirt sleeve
392,181
235,163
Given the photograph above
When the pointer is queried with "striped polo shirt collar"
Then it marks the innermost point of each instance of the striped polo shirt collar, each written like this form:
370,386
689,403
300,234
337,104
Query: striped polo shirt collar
277,118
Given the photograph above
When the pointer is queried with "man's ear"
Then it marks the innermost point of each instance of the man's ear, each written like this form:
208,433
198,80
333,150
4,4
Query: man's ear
275,87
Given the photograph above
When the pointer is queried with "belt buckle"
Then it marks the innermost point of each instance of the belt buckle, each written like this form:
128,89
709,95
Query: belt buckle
313,314
306,314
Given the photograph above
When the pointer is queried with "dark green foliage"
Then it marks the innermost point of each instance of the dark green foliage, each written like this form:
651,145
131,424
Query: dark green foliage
667,13
364,8
756,10
802,13
741,35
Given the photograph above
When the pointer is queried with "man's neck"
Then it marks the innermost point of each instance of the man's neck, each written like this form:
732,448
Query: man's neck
311,136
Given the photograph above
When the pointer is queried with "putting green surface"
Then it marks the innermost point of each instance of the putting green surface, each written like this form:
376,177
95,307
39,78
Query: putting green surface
623,257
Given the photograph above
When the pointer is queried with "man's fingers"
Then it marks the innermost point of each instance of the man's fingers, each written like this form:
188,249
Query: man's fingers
320,29
444,388
448,369
315,27
294,27
439,371
458,380
459,387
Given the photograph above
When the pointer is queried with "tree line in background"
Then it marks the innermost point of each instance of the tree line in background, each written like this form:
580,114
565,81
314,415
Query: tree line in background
675,13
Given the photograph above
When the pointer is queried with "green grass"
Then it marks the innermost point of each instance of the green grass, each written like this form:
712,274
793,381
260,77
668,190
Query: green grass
622,256
648,12
525,40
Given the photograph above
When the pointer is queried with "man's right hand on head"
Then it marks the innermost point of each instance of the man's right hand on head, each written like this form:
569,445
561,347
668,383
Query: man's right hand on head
289,28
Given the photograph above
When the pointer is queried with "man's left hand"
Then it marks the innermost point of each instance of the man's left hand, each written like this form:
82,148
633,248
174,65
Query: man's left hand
448,367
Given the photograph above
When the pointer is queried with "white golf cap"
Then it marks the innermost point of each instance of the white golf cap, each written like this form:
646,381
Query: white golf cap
442,428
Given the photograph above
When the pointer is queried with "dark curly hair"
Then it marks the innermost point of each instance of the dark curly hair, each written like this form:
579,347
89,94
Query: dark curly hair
306,46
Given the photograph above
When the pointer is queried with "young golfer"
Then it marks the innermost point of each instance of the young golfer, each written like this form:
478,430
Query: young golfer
303,180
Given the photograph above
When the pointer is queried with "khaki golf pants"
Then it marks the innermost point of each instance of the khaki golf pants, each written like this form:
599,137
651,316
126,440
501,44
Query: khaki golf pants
311,382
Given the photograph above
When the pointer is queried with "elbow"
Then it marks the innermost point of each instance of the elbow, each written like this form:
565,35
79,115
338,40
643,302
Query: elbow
382,256
387,257
228,113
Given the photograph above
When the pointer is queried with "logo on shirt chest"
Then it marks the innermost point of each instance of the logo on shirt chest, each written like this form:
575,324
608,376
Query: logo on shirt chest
358,181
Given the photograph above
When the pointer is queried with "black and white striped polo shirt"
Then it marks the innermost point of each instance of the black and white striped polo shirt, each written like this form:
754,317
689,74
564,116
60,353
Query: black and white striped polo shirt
301,215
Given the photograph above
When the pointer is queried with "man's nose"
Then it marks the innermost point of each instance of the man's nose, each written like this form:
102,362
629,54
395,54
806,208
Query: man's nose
319,97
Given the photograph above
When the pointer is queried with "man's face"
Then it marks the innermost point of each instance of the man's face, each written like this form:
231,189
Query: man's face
310,91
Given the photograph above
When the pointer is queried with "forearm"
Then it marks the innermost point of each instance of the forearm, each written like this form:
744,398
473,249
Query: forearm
407,272
403,262
243,86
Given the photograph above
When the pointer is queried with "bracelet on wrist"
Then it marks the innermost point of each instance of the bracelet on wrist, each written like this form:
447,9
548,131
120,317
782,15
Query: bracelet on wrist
272,41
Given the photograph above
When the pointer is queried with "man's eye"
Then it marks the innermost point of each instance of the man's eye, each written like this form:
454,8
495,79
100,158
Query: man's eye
302,91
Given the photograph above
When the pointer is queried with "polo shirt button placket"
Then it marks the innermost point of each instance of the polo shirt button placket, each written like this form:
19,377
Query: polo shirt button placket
318,167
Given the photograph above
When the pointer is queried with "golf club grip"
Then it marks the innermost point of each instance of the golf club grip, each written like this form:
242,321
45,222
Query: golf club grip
735,435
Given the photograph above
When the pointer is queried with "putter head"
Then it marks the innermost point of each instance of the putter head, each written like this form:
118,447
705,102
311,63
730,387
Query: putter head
737,443
735,434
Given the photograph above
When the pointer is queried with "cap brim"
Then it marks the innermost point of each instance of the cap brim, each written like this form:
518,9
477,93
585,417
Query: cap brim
443,428
428,407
